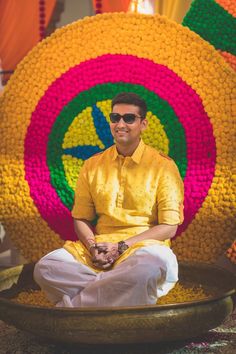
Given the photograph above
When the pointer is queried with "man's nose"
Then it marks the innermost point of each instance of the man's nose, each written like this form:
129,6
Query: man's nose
121,123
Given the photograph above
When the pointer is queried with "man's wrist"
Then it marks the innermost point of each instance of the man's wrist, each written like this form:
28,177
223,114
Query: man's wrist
122,247
91,243
92,246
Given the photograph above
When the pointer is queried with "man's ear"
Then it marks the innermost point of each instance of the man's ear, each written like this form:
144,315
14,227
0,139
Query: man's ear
144,124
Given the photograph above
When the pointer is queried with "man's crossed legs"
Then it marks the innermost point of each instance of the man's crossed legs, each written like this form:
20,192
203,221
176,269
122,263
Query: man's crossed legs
147,274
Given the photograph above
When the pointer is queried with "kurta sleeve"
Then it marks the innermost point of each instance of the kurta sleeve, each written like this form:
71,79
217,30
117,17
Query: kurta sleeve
83,203
170,195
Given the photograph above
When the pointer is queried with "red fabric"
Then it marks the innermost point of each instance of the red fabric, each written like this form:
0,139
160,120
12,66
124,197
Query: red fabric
101,6
20,28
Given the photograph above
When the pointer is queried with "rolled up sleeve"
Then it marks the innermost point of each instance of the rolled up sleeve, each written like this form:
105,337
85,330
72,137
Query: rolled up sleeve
170,195
83,207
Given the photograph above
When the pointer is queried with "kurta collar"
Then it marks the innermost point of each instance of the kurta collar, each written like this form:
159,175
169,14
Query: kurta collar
137,155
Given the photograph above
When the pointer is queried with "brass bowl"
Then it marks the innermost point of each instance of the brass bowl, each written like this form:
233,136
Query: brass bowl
141,324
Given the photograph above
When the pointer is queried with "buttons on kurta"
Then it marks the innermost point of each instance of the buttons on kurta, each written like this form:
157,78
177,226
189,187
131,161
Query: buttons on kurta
123,165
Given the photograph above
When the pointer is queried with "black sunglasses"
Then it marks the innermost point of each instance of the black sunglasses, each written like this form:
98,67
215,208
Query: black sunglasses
128,118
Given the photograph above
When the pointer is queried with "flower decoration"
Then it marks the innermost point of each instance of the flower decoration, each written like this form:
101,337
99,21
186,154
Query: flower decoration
214,20
231,252
55,111
178,294
228,5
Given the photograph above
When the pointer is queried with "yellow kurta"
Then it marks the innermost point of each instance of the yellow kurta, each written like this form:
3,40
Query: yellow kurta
129,195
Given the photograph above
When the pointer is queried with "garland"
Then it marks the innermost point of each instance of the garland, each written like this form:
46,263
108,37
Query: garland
42,21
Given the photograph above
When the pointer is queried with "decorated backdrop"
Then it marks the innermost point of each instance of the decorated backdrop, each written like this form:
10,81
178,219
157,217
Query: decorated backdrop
55,116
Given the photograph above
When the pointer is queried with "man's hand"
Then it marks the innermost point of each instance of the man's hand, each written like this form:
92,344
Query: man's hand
105,254
110,249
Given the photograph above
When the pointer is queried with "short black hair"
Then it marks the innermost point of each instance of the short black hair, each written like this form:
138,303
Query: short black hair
131,98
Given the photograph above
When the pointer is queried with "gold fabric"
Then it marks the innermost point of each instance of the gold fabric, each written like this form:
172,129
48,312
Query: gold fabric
128,194
173,9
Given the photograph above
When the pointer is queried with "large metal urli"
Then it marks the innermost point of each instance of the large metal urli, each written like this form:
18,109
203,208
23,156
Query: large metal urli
140,324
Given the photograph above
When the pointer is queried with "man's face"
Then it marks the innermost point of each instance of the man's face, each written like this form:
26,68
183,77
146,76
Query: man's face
125,133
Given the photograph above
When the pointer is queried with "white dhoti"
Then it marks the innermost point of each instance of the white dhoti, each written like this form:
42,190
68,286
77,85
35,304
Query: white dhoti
141,279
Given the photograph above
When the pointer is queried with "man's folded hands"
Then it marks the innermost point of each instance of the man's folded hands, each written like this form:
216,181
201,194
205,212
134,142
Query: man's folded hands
104,254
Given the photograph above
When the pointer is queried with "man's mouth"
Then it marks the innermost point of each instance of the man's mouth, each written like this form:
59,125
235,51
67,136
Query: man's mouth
121,131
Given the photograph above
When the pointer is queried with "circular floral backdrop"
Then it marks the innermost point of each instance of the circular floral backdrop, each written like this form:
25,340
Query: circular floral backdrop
55,114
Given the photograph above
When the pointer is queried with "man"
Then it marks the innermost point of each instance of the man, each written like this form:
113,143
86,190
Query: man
137,194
